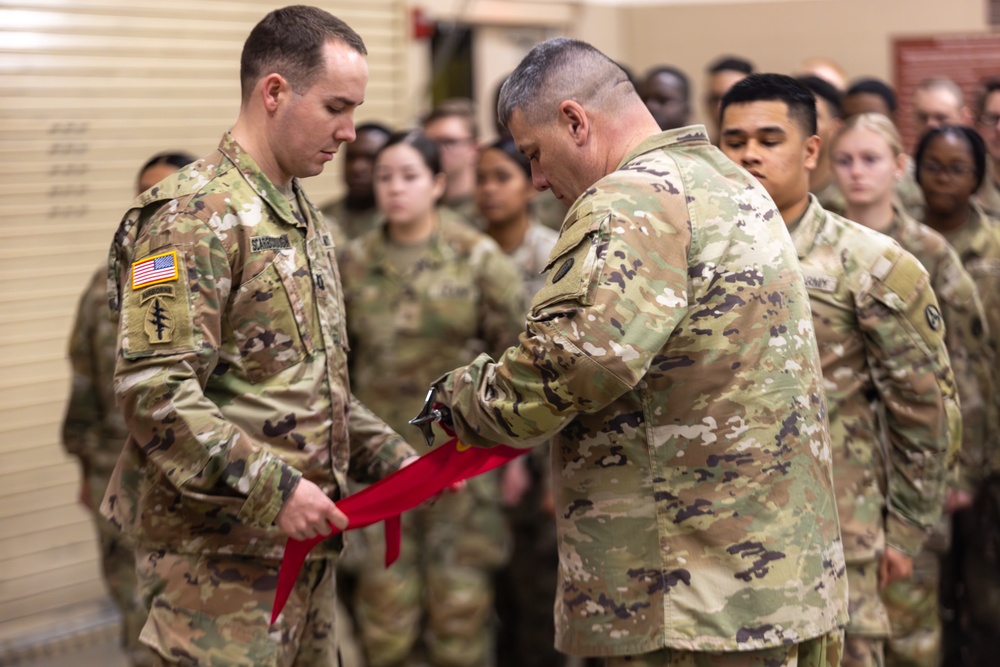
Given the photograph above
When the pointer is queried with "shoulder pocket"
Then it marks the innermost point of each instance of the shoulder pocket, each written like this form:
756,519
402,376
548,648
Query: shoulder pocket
265,323
575,262
900,283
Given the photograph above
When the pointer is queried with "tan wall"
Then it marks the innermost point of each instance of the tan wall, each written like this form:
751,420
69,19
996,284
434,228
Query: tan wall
776,36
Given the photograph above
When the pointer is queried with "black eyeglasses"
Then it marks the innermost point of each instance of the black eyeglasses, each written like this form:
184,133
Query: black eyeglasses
956,169
989,119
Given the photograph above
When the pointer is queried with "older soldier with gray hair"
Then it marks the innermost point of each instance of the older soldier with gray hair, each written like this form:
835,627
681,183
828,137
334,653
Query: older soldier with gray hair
670,356
232,366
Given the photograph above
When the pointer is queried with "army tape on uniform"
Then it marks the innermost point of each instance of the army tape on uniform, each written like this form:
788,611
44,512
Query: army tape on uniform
388,498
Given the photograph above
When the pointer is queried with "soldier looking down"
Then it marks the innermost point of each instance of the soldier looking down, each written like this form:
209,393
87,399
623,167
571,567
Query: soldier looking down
232,367
670,357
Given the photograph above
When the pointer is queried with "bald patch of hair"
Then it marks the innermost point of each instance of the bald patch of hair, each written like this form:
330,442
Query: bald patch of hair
558,70
946,84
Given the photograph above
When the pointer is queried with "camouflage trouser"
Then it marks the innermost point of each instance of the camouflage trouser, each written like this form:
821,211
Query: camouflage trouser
435,603
215,610
118,568
821,651
864,643
913,611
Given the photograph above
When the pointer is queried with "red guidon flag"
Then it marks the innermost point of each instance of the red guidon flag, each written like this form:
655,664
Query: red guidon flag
388,498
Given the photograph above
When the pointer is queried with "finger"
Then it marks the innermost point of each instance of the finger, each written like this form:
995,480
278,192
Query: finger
337,518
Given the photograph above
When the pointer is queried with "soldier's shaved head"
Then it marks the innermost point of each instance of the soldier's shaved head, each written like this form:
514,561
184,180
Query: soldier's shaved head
562,69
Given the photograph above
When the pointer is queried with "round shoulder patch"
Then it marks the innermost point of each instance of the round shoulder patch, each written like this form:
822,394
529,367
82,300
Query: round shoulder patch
933,316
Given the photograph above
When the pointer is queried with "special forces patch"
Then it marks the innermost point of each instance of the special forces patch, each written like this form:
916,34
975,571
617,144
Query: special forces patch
933,316
159,324
156,311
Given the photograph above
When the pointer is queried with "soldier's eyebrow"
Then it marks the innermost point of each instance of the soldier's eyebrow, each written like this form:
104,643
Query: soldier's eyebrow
347,101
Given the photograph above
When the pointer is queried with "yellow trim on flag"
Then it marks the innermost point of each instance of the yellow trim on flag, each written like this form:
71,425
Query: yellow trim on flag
136,286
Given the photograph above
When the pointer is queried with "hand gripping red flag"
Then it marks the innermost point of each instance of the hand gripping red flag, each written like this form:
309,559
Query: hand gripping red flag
388,498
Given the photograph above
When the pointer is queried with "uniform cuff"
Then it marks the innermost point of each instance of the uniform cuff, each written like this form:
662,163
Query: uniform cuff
904,536
273,486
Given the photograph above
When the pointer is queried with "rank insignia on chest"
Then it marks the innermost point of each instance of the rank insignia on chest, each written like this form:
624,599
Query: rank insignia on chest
160,268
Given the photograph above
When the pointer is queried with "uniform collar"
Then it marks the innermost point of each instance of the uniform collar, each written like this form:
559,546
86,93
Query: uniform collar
262,185
439,251
690,135
805,231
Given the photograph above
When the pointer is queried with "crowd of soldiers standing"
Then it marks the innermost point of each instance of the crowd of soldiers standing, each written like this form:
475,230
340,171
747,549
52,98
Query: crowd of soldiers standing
441,243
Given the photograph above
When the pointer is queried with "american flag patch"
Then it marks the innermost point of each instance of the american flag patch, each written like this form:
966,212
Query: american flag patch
155,269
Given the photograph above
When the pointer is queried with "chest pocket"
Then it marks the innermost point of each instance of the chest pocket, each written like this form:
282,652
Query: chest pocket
268,321
575,262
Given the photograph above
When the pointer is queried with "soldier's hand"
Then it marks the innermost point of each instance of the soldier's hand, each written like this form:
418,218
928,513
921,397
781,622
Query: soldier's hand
894,566
308,512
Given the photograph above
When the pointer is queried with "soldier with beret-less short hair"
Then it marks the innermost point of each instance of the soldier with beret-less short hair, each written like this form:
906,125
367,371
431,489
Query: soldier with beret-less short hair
232,369
670,357
891,394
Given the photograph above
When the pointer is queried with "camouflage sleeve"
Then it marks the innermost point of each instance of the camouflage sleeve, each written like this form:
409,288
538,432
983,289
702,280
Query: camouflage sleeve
576,355
82,424
501,304
972,358
912,373
376,450
159,390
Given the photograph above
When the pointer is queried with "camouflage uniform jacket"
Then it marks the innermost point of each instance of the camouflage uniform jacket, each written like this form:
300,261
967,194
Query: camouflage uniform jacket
966,337
93,429
462,298
232,376
978,245
350,222
671,359
885,366
532,256
988,195
831,198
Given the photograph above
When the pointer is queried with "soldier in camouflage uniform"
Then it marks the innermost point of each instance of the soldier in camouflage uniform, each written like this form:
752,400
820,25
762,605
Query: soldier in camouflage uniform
94,431
355,213
452,125
670,357
527,585
232,368
988,124
868,161
879,329
950,167
424,293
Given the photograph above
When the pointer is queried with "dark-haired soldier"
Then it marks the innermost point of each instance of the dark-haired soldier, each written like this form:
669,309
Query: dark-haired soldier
232,366
879,331
666,92
355,213
829,119
722,74
870,96
988,125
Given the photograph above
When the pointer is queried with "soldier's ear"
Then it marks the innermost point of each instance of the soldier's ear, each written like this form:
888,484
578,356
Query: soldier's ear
813,144
573,118
273,89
